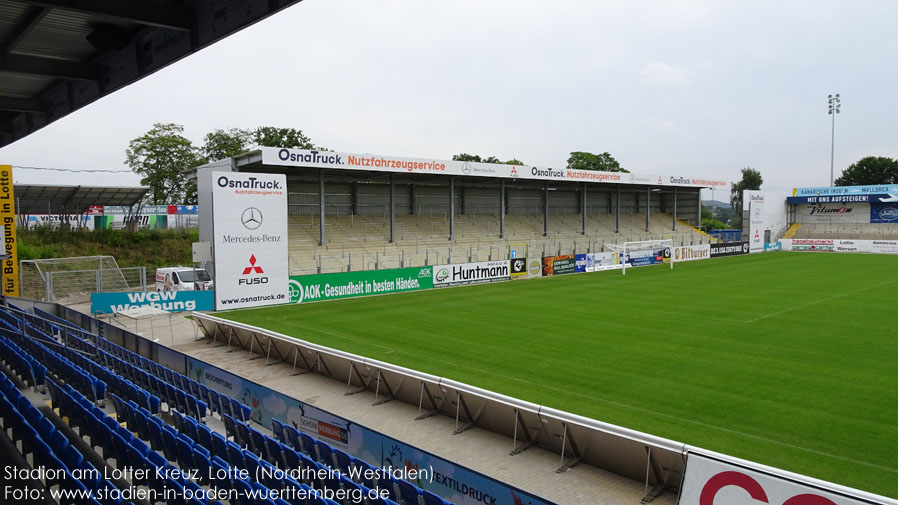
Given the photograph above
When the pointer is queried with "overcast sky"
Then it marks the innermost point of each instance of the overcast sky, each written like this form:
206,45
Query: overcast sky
692,87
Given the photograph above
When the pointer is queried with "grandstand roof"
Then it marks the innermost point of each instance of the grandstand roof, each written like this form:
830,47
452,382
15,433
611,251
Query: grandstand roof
38,199
57,56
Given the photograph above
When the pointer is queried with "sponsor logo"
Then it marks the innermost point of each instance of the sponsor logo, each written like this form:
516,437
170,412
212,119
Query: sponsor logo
442,274
680,180
252,268
660,180
534,267
252,183
518,266
745,248
251,218
754,489
756,198
819,209
547,172
425,272
466,168
295,291
514,171
889,214
729,249
310,157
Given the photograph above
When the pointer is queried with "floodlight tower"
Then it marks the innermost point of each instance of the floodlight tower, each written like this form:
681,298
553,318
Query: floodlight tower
834,107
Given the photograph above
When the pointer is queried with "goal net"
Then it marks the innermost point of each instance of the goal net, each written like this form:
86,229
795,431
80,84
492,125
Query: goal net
643,253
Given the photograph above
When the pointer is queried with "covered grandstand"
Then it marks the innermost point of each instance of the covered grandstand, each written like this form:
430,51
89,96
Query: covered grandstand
364,212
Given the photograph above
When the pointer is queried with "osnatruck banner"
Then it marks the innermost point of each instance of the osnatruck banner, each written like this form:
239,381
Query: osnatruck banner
453,482
314,288
172,301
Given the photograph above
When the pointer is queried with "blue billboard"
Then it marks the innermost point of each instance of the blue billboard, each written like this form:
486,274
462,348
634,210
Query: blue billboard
884,212
171,301
847,190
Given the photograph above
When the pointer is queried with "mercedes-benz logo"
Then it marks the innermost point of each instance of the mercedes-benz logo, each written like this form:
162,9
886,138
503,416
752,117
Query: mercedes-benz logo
466,168
251,218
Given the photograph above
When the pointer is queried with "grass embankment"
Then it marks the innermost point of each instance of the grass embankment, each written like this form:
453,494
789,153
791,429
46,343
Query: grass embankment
150,248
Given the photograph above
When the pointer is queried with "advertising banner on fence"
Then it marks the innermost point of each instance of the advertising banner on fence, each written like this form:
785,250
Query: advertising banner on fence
557,265
691,252
809,244
846,190
714,482
884,246
427,471
471,273
884,212
729,249
645,257
596,262
534,267
518,267
773,246
171,301
10,284
250,239
314,288
580,263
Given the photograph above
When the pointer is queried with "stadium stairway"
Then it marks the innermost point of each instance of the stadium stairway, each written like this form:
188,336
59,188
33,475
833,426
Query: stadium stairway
165,437
793,229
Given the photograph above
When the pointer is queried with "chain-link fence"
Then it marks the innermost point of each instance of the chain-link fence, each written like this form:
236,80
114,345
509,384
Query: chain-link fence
72,280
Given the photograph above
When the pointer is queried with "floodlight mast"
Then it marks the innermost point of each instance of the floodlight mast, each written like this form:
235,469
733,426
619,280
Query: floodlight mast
835,106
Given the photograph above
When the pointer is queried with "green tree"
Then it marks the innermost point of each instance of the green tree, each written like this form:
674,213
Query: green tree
270,136
751,180
869,171
709,222
221,144
581,160
489,159
160,157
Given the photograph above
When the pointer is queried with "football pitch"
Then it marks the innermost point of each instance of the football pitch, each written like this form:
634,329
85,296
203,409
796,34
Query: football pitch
786,359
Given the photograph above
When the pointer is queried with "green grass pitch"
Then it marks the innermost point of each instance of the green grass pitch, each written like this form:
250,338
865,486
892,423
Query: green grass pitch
786,359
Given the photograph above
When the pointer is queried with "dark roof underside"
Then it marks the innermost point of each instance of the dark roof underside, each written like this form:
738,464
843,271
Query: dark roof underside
57,56
34,199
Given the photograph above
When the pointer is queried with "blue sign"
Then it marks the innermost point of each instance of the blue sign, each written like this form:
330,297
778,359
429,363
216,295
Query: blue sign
773,246
847,190
188,209
580,263
797,200
884,212
171,301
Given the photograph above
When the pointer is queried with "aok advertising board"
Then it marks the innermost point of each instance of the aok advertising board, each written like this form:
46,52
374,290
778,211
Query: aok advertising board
315,288
250,239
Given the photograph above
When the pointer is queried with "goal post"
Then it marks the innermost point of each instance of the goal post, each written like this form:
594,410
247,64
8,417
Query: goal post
643,253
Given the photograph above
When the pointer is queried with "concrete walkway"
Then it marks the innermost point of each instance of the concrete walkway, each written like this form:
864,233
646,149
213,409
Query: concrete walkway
532,470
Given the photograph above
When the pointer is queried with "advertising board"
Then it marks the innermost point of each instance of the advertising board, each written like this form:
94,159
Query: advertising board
518,267
171,301
729,249
558,265
471,273
691,252
314,288
596,262
884,212
10,283
250,239
710,481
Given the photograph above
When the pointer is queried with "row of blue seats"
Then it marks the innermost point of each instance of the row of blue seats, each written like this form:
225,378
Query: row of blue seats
51,450
27,368
60,366
213,400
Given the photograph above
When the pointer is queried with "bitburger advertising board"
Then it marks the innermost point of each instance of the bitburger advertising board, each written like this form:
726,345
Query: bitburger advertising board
250,239
471,273
691,252
729,249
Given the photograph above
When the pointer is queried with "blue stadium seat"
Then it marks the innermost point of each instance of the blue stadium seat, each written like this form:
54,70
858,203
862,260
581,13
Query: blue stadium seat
277,428
169,443
408,493
344,461
230,426
235,455
219,445
274,451
325,453
243,437
256,441
292,437
154,427
432,499
185,451
308,445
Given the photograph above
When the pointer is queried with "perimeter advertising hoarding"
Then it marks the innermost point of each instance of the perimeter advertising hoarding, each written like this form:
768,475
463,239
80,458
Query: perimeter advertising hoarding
170,301
471,273
809,244
596,262
841,245
558,265
846,190
449,480
277,156
729,249
518,267
250,239
710,481
314,288
691,252
10,283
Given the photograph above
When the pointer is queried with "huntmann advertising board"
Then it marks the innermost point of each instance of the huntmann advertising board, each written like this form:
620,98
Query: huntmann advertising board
250,239
471,273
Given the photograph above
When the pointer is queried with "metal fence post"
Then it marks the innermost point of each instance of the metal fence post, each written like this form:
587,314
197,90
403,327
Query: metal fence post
143,278
48,287
99,281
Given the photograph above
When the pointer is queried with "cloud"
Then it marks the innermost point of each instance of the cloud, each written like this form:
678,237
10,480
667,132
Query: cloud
275,405
662,74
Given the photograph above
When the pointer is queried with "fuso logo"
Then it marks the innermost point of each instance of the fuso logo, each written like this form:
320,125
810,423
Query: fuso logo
514,171
754,489
252,266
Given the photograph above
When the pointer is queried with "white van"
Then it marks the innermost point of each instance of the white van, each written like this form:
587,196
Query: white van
183,279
